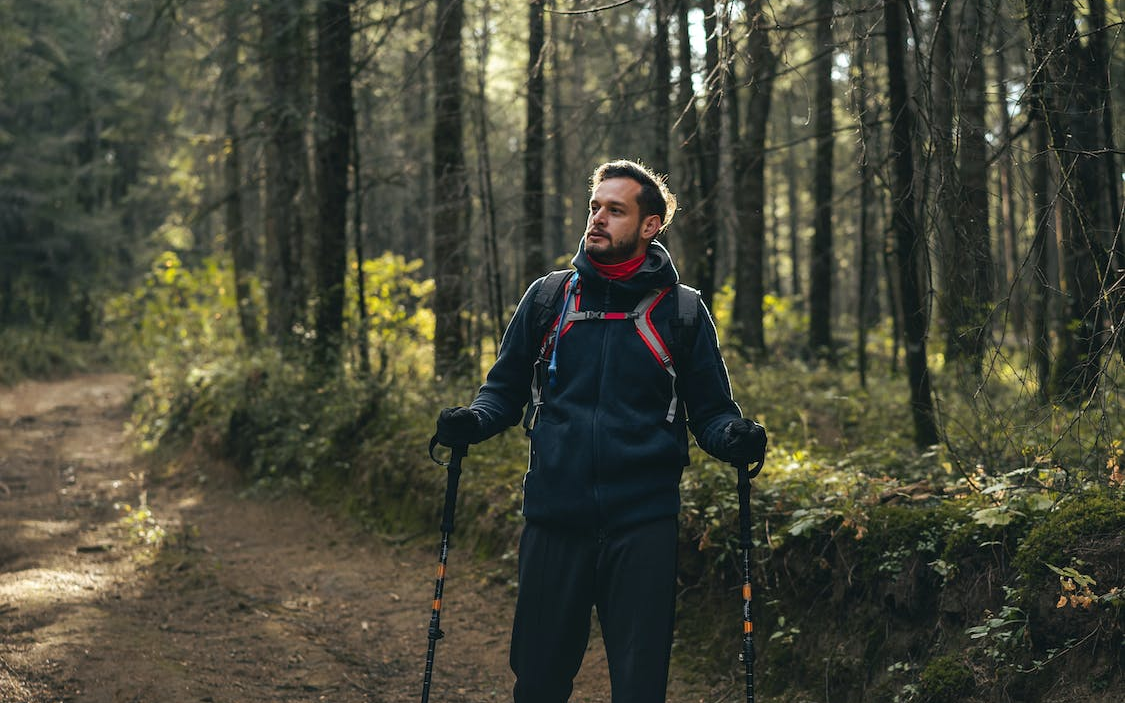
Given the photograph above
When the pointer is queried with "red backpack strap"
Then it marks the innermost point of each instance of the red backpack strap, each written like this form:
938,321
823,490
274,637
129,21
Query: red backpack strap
641,316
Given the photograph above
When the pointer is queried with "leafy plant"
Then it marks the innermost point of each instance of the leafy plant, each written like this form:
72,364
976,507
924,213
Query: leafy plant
999,634
141,525
1076,591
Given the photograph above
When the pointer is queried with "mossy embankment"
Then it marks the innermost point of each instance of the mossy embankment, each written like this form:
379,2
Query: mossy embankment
922,602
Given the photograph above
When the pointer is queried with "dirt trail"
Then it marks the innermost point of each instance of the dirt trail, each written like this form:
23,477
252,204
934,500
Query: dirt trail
247,600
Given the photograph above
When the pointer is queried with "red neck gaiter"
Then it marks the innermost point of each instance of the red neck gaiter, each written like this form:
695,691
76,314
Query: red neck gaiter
618,272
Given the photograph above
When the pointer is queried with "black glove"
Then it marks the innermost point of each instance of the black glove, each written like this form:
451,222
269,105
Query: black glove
458,427
744,442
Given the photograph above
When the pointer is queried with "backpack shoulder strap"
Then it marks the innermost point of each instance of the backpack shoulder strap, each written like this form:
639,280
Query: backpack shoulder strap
687,305
545,309
685,325
545,306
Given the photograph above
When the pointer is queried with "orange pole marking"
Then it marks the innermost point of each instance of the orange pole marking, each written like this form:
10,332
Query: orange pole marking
747,627
437,604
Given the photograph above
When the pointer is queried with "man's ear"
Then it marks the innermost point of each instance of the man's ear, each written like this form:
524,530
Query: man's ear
651,227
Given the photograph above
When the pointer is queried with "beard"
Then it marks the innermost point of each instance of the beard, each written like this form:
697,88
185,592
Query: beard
612,251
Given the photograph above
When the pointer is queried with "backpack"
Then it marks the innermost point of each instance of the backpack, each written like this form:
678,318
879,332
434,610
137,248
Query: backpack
551,319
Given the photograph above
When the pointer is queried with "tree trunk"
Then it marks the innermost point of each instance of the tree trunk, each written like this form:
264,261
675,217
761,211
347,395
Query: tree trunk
493,282
1074,105
450,196
1101,67
708,146
662,88
534,146
908,241
560,240
241,245
1015,290
894,282
1040,291
866,293
963,233
974,237
821,258
792,194
691,244
358,231
285,152
334,113
749,145
942,82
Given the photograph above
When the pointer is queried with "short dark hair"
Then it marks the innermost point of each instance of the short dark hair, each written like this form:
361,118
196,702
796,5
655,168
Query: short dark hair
654,198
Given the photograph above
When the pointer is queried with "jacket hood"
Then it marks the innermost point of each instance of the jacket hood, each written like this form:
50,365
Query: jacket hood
657,271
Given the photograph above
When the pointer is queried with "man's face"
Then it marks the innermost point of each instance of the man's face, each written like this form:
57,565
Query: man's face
615,230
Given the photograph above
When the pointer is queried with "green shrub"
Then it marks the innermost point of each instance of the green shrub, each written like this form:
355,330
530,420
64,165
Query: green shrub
31,353
946,679
1078,521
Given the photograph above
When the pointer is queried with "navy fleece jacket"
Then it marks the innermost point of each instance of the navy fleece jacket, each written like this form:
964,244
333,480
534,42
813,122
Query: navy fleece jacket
603,455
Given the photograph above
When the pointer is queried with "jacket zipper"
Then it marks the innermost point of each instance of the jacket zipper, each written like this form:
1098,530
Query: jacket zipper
597,406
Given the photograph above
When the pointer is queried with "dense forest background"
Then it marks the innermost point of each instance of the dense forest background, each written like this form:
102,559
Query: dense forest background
304,223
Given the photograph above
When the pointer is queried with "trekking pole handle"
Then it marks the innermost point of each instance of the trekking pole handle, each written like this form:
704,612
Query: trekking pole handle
745,473
453,477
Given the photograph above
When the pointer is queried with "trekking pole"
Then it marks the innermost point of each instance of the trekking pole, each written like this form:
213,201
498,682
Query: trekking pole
747,655
453,469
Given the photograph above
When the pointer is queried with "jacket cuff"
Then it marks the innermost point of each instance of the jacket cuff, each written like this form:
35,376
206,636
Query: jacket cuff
713,440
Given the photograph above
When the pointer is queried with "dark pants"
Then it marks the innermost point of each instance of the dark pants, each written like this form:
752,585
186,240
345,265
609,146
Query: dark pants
629,576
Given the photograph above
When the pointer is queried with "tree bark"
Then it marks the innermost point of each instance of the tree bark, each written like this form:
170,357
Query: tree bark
558,237
493,282
973,228
963,231
708,145
942,82
821,258
1074,105
1040,291
334,110
792,195
662,89
692,246
908,241
238,239
284,156
1101,67
358,231
1015,289
749,158
450,196
866,292
534,147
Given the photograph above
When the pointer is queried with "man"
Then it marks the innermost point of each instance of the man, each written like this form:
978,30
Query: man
608,429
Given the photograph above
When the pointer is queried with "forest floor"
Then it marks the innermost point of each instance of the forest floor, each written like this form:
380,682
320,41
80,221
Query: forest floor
241,599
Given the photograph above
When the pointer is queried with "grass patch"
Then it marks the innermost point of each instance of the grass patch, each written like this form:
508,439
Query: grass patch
30,353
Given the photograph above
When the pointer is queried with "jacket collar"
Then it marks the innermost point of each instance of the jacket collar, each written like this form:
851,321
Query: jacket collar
657,271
